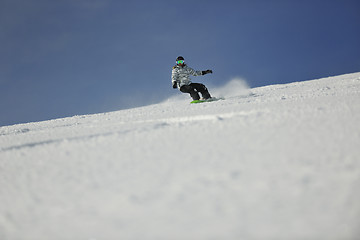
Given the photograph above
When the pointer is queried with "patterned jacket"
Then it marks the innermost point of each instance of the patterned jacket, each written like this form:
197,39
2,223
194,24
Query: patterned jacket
181,75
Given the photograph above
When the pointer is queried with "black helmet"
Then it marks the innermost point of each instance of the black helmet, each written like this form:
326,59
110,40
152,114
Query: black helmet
179,58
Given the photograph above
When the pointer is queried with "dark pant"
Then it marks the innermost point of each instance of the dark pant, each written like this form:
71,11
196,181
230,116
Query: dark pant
194,89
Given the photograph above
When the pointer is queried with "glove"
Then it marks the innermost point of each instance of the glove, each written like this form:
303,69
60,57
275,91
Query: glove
174,84
206,72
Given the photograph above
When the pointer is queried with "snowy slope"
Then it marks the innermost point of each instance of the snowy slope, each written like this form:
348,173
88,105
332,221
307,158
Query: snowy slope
275,162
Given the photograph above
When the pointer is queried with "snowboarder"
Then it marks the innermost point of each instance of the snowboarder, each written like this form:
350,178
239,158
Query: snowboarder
180,78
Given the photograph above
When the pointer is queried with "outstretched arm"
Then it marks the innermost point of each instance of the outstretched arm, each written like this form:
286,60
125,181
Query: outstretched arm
198,73
193,72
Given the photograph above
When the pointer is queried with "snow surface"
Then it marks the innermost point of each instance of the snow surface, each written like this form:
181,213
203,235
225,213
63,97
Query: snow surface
275,162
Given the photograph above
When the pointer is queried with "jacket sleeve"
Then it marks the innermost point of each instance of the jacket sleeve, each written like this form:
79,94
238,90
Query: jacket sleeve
174,76
194,73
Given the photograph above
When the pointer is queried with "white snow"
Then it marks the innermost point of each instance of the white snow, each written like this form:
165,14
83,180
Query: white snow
275,162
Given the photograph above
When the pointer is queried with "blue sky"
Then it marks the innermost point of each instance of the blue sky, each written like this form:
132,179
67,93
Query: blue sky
72,57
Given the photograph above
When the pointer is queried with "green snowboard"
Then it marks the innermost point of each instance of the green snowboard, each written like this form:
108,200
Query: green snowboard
207,100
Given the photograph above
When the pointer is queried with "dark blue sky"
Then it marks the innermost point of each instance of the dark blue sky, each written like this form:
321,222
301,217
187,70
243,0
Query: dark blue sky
65,58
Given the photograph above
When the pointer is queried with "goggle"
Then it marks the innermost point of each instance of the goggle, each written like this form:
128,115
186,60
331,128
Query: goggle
180,62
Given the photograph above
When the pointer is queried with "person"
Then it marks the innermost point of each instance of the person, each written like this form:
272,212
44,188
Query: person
180,78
